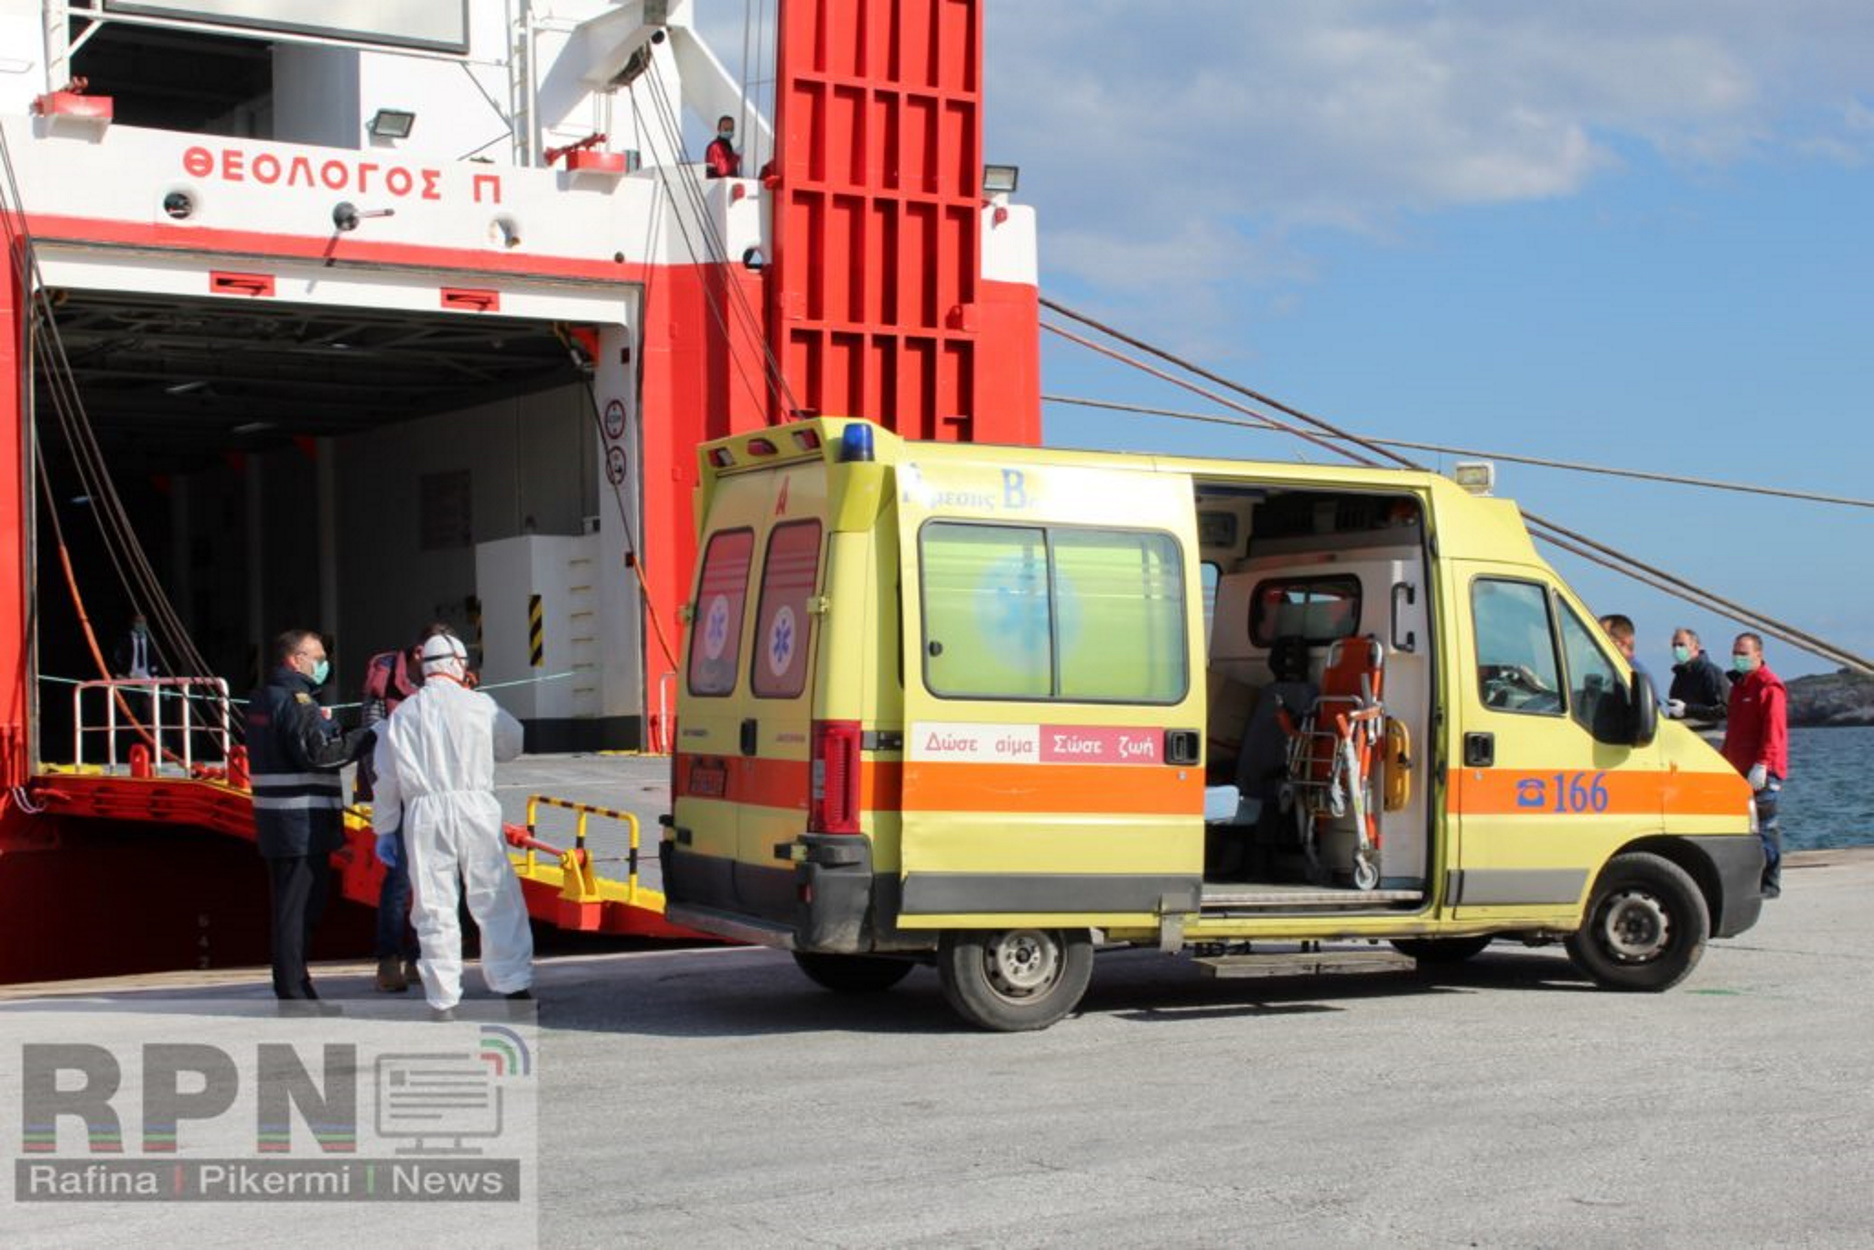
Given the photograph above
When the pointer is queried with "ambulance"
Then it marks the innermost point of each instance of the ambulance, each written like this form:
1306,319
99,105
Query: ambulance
996,708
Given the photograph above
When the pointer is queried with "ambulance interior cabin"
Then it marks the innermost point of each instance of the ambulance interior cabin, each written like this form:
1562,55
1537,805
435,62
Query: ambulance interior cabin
1320,689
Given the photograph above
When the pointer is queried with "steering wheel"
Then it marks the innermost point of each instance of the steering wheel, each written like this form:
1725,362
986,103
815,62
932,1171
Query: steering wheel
1516,687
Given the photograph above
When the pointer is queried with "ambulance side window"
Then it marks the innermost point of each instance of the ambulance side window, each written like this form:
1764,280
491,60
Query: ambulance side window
1026,612
716,628
986,627
1597,694
1517,669
789,574
1119,616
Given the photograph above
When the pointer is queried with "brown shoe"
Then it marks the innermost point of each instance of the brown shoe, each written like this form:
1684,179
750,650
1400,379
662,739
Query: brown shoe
390,976
410,973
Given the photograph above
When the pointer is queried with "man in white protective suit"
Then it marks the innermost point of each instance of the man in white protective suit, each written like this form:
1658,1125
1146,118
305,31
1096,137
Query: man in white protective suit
436,759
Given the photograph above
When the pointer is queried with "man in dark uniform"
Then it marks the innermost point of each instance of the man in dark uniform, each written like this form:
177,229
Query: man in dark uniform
294,754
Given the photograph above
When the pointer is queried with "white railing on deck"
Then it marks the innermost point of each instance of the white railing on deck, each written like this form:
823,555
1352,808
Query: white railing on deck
176,713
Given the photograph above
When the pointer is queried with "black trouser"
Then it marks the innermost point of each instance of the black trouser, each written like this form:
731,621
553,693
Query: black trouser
1768,830
299,884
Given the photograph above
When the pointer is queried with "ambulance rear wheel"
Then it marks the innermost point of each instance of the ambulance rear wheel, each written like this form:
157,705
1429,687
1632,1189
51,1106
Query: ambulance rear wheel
1014,980
852,974
1646,925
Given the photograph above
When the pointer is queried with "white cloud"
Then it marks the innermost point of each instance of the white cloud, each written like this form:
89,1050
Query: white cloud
1139,126
1188,143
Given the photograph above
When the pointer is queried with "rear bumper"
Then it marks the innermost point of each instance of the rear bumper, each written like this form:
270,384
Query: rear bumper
1739,865
828,900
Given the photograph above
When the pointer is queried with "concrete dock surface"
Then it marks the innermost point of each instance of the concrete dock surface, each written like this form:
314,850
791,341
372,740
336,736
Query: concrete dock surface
715,1097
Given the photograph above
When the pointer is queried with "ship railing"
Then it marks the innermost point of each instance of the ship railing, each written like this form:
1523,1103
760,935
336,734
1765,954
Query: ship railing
181,722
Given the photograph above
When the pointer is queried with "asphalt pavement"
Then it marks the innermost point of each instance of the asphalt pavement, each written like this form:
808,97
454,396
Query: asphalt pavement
715,1097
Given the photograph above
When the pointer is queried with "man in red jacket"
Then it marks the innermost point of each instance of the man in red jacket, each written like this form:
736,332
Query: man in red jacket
1756,741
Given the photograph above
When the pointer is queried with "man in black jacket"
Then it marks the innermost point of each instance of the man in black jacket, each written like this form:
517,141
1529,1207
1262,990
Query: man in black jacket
1698,691
294,754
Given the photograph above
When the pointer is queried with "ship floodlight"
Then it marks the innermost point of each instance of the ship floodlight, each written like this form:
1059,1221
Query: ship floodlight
391,124
1001,179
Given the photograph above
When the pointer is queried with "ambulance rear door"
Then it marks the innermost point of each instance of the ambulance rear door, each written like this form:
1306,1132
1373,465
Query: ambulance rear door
1053,694
742,771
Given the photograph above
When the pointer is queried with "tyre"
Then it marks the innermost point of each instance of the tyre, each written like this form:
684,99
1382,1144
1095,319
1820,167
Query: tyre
1442,950
1646,925
1014,980
853,974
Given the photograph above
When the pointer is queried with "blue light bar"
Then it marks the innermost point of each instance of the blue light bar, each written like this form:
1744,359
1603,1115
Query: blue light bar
855,444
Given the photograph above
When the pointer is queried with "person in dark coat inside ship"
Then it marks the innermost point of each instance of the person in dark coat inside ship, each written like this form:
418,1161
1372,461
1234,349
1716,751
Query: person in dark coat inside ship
295,752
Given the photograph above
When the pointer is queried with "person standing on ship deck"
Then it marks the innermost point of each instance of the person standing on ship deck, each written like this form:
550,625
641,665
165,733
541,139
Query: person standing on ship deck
720,156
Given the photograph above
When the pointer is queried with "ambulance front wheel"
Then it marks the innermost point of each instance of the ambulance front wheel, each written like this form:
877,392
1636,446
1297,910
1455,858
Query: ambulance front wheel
1646,926
852,974
1014,980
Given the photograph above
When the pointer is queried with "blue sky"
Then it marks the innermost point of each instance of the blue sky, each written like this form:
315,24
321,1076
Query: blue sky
1636,235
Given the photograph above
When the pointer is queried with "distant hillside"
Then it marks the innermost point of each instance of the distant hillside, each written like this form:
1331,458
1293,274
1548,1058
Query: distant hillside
1841,698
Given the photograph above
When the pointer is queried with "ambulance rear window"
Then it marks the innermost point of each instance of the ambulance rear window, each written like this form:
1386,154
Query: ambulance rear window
1053,613
788,576
716,629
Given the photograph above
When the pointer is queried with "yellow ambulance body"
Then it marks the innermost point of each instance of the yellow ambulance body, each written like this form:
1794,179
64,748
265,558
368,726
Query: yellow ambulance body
994,707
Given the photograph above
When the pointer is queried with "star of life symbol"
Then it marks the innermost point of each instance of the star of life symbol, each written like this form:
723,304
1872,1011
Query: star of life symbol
716,627
781,635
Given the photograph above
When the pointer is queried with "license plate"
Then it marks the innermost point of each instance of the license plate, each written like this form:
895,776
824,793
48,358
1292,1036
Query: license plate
709,779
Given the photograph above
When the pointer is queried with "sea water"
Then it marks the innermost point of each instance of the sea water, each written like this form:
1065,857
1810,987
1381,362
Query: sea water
1829,797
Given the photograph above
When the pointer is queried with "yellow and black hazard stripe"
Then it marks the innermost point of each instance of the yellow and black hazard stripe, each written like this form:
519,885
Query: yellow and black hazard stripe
536,632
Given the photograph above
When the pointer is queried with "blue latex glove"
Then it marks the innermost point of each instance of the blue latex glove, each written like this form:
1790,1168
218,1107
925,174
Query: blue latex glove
388,852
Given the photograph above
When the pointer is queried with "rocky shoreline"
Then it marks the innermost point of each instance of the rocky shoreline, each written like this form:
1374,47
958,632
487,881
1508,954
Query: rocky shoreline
1832,700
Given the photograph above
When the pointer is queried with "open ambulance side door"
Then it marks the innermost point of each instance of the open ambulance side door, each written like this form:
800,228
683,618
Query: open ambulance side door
1053,694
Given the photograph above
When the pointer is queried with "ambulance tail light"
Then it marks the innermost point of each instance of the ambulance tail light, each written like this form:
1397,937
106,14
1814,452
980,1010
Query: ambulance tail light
833,799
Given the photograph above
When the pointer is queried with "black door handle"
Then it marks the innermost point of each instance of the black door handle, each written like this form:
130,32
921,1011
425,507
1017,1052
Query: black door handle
1181,746
748,736
1480,750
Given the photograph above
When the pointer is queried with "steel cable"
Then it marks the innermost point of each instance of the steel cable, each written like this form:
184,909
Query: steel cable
1336,440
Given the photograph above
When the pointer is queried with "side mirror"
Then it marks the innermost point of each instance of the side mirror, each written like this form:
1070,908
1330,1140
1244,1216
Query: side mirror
1645,710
